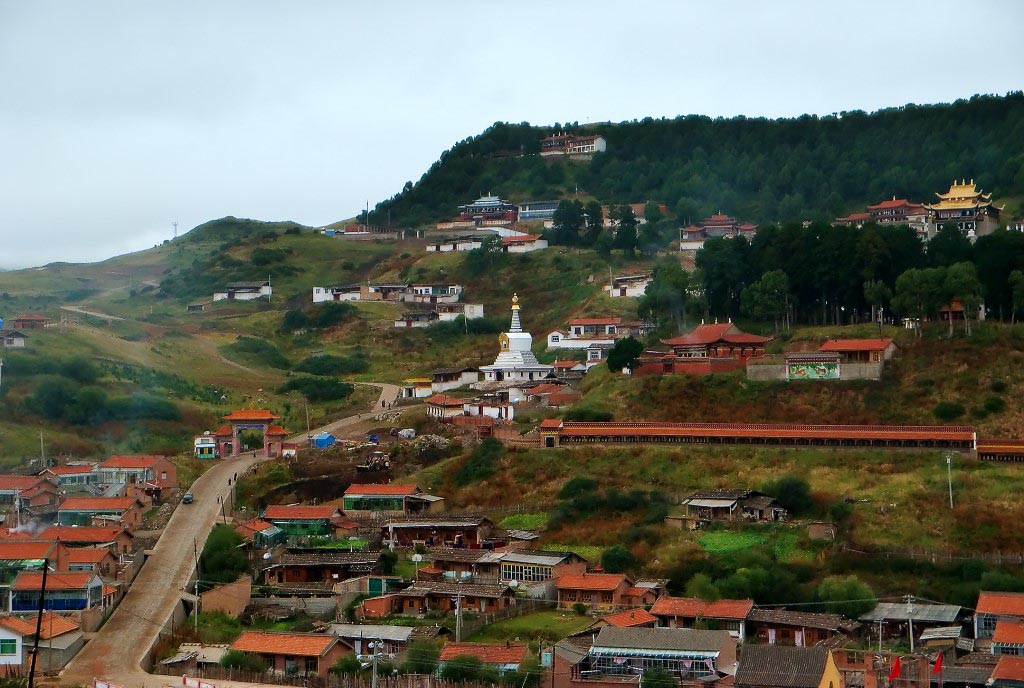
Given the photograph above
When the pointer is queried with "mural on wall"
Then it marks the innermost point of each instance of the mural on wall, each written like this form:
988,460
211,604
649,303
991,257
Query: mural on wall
812,371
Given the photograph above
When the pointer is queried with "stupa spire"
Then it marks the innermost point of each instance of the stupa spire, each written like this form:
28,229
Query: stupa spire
516,325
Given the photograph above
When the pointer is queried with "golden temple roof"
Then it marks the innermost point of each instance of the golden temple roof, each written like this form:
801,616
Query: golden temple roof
961,195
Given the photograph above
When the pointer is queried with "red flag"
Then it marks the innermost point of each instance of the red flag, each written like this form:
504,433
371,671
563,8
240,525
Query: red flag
894,673
938,664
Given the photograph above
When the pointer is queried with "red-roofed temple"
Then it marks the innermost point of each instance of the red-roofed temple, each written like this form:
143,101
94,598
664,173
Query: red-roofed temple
716,348
225,440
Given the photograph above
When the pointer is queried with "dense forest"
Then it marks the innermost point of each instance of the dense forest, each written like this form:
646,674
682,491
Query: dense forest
760,170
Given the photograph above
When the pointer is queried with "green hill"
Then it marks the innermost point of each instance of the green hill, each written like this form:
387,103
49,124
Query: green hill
756,169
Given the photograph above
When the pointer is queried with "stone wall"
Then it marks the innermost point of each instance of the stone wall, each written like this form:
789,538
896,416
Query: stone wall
231,598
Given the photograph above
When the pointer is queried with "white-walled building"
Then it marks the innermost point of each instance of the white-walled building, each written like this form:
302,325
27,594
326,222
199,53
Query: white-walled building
457,244
515,360
523,243
244,291
349,292
444,379
633,286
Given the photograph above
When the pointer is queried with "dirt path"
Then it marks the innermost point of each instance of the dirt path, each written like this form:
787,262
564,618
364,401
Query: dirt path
388,394
117,651
102,316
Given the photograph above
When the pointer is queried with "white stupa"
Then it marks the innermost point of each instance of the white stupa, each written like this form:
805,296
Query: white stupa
515,360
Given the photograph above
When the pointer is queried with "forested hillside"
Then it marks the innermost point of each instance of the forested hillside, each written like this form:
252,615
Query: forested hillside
756,169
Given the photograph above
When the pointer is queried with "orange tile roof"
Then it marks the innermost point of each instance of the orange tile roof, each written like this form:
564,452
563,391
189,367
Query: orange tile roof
595,321
1009,632
13,550
895,203
70,470
709,334
693,607
590,581
87,555
1001,445
566,364
631,617
97,504
223,431
30,580
18,482
443,400
251,414
855,345
1009,668
783,430
546,388
53,625
249,528
1001,603
130,462
276,431
91,534
551,423
520,239
488,653
381,490
295,644
299,512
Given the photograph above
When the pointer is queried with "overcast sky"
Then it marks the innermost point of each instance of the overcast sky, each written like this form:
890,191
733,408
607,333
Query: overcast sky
118,118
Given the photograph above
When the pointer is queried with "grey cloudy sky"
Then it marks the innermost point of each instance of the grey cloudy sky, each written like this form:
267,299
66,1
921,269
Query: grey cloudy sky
117,118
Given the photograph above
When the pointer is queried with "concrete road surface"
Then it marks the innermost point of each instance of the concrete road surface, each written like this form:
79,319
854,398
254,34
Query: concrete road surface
117,651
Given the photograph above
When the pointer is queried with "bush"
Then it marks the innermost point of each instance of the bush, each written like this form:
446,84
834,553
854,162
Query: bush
463,668
624,354
948,410
222,560
586,415
259,350
617,559
840,511
998,386
317,389
422,657
481,463
576,486
347,666
233,659
580,609
331,314
792,492
994,404
294,319
847,595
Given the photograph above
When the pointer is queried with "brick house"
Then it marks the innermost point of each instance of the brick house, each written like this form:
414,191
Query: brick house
320,566
776,666
598,591
117,540
287,653
64,591
365,499
783,627
996,606
431,596
684,612
99,561
81,511
502,657
302,520
154,470
433,532
1008,638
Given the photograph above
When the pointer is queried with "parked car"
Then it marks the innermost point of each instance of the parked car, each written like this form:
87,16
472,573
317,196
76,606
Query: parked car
187,498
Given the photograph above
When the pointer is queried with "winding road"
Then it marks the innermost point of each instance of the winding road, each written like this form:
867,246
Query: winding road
118,650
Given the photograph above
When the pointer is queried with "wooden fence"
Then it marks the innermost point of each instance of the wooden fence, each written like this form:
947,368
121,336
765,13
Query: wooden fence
998,558
520,608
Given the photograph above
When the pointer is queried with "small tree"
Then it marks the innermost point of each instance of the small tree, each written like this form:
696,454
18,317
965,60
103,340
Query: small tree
348,665
245,661
617,559
768,298
624,354
702,587
579,608
462,668
594,219
846,595
657,677
625,232
962,283
792,492
422,657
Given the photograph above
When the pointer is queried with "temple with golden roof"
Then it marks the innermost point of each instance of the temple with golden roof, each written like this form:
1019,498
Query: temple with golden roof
966,206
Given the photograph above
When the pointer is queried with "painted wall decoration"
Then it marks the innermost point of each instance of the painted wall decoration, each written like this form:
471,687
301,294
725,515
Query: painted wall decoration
819,370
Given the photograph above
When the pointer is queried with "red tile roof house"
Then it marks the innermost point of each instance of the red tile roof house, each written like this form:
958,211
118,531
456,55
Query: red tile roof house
156,470
441,406
60,639
288,653
19,555
64,591
684,612
631,618
389,500
99,561
504,658
83,511
598,591
117,540
996,606
1009,672
30,492
302,520
716,348
1008,638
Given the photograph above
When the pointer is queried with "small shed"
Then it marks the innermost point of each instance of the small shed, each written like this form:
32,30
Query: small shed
324,440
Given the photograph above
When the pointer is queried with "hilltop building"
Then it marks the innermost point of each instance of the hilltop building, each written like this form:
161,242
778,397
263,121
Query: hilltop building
716,348
572,145
488,208
245,291
967,207
896,211
537,210
516,360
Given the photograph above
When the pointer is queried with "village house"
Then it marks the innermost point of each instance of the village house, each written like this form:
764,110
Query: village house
495,406
13,339
425,597
24,492
244,291
1008,672
705,506
342,292
629,618
535,566
382,292
72,477
261,534
582,332
688,612
993,607
1008,638
28,555
29,321
445,379
449,312
523,243
861,350
60,639
153,470
569,369
441,407
126,512
465,243
118,540
417,388
389,499
502,657
632,286
619,655
572,145
293,653
320,566
433,293
420,319
775,666
436,532
537,210
393,640
64,592
100,561
597,591
479,565
895,618
783,627
302,520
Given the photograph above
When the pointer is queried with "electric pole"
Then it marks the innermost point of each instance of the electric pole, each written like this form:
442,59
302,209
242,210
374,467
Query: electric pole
949,475
195,612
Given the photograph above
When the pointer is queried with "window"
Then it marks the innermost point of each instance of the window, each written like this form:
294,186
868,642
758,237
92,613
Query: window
8,647
311,665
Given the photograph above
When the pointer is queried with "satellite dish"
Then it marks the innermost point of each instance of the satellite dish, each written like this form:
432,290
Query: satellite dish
417,558
266,555
513,584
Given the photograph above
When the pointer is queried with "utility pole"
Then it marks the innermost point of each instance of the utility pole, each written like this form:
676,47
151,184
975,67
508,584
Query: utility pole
910,619
458,613
949,475
373,660
42,454
195,612
1,372
39,625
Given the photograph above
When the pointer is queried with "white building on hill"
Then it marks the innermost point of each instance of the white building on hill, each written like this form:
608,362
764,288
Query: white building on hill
516,360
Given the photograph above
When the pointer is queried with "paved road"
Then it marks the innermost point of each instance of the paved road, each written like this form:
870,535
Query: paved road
118,649
388,393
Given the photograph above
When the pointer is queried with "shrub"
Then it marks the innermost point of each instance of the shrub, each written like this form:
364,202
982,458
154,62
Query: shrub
294,319
994,404
481,463
998,386
617,559
330,314
792,492
462,668
347,666
586,415
233,659
840,511
422,657
222,560
317,389
580,609
849,596
260,350
577,485
948,410
333,365
624,354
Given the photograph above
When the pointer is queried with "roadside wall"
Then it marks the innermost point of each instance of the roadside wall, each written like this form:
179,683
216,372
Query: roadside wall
232,598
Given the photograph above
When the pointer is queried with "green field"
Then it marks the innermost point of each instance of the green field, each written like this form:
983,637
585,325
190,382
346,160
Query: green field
549,626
